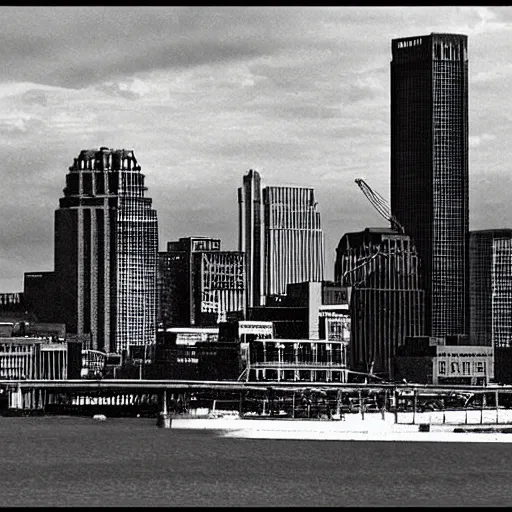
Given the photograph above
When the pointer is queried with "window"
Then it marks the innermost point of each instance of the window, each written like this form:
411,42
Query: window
466,368
454,367
480,366
442,367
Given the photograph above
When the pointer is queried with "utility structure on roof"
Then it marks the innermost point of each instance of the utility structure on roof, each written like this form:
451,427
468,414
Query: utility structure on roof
380,204
384,210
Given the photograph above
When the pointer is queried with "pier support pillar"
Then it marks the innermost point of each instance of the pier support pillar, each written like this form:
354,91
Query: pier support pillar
396,406
496,398
164,419
414,406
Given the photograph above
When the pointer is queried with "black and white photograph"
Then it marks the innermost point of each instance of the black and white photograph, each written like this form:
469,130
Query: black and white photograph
255,256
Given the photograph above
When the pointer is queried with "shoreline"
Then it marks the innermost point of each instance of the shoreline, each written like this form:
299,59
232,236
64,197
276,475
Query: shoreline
372,428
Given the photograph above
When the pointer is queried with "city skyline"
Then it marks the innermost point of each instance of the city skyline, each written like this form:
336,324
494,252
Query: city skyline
300,94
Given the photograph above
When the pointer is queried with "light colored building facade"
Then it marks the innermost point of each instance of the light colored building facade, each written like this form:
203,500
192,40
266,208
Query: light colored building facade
32,358
429,360
293,238
280,232
298,360
219,285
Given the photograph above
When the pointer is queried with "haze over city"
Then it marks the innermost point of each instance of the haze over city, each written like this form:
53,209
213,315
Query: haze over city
203,94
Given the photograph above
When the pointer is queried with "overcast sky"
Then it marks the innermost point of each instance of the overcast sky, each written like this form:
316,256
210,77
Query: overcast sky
203,94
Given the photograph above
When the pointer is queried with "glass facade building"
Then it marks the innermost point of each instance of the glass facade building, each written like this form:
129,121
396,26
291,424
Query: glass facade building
281,235
293,238
490,270
429,169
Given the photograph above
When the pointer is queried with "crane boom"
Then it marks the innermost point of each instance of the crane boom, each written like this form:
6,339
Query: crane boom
380,204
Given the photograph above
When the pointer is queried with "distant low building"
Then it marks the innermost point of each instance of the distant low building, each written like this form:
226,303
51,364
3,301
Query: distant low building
432,360
176,352
308,311
311,341
297,360
36,358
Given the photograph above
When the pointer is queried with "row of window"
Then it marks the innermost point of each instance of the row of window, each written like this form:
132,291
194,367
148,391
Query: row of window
461,368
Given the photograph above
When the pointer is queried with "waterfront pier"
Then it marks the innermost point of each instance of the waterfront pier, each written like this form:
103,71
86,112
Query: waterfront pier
167,398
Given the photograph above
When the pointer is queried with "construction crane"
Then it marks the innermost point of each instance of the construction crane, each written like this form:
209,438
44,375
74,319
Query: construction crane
380,204
383,208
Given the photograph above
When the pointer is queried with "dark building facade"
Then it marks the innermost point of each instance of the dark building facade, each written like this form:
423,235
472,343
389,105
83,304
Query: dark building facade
386,302
106,244
175,280
14,309
249,234
490,271
429,169
199,284
40,297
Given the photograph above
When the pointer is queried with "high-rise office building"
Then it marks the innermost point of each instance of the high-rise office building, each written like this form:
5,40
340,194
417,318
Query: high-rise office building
293,238
386,302
429,169
249,233
281,235
490,271
106,245
198,284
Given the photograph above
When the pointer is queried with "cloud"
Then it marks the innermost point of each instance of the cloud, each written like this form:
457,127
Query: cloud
476,140
203,94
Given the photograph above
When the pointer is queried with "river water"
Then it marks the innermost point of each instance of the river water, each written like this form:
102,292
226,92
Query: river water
70,461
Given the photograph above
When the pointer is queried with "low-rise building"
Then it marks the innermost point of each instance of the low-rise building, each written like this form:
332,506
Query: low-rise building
297,360
311,335
175,355
36,358
430,360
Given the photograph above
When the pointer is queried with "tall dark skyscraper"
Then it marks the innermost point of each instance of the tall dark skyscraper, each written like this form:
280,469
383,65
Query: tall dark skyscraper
106,245
249,233
429,169
281,235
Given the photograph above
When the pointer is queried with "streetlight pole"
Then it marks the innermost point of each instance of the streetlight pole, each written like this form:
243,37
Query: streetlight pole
143,362
280,347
